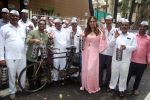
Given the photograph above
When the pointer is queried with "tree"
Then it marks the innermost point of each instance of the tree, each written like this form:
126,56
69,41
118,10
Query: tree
124,8
143,13
91,7
131,11
24,4
115,10
3,3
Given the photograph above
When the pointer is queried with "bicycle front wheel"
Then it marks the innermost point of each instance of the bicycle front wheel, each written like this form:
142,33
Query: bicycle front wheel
37,79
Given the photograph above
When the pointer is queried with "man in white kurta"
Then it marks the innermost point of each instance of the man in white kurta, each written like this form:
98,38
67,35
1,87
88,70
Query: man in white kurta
74,35
60,38
5,17
25,22
105,57
12,50
127,43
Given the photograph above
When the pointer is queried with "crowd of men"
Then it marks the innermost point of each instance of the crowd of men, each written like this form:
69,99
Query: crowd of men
18,34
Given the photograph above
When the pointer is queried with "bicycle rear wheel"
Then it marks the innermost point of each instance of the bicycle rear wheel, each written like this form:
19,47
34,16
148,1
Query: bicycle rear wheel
38,79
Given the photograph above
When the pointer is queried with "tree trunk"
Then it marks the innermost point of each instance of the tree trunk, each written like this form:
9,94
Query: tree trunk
115,10
124,8
143,14
91,7
131,11
22,6
5,3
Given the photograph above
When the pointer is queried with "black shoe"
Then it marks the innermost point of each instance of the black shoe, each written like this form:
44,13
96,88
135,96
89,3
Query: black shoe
12,97
122,94
128,92
135,92
55,83
110,90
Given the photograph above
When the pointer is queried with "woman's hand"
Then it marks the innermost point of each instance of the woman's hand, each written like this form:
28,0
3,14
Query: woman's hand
103,34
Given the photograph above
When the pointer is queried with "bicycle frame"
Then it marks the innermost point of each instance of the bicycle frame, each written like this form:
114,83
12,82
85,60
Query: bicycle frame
69,55
42,73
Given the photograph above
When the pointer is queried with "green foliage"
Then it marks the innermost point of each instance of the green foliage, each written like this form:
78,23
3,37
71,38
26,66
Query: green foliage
124,7
50,10
147,1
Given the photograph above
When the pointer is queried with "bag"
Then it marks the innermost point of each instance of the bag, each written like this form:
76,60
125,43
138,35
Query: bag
35,51
4,83
76,61
43,51
119,54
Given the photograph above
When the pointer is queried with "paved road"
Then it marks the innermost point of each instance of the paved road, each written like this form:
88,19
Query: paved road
72,92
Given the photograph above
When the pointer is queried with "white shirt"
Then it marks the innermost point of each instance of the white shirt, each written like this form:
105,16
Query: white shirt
78,27
60,38
129,41
76,38
25,25
12,42
2,22
109,35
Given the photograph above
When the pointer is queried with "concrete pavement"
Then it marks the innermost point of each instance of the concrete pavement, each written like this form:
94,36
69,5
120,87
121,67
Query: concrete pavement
72,92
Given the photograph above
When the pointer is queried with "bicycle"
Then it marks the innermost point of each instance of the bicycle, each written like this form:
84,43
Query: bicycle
42,72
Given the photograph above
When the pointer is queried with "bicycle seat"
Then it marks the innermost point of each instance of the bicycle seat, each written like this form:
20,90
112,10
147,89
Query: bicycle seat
71,48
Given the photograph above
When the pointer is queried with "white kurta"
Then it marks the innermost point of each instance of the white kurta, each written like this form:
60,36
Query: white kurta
2,22
109,35
12,49
120,68
25,25
76,38
60,42
13,39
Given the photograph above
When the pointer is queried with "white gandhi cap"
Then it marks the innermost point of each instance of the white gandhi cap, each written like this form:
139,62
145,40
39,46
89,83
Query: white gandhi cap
74,21
14,12
34,17
74,18
5,10
125,20
120,19
57,20
144,23
24,11
51,18
65,21
109,17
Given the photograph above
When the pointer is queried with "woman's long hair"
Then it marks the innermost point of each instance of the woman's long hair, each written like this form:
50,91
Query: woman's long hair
88,29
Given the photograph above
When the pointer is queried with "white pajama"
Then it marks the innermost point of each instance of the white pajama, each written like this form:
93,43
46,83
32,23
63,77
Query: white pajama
119,71
59,63
60,42
13,51
15,66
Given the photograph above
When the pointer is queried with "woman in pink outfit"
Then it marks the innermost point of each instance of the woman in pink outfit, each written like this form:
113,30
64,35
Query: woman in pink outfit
94,43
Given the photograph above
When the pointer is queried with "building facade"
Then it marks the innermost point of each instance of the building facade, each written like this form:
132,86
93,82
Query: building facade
64,8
